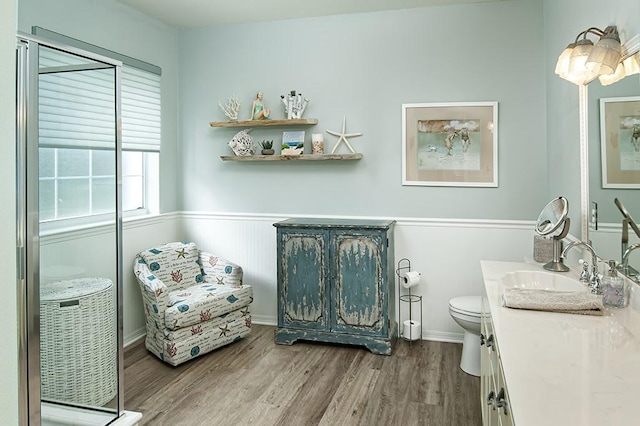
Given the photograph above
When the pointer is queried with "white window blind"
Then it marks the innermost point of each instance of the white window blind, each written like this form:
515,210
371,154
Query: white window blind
140,110
77,106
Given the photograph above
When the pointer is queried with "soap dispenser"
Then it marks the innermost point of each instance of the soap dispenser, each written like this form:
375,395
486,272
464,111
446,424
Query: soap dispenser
613,294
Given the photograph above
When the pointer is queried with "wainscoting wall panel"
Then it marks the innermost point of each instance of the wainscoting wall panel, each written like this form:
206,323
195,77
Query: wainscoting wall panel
446,251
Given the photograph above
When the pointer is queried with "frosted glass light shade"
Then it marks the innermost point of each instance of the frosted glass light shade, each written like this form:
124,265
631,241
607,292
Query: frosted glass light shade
632,64
629,66
604,56
578,72
619,74
562,66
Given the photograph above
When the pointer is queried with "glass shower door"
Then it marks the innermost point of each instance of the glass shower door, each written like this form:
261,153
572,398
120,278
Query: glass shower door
74,232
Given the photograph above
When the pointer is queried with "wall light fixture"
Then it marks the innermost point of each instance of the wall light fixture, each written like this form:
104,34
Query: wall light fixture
583,61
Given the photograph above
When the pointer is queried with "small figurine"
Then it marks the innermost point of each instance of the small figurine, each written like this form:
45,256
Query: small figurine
258,111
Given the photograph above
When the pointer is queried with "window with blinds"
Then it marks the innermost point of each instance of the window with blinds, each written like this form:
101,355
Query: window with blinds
77,134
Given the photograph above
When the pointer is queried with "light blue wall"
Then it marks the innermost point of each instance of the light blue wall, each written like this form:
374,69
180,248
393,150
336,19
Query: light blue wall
111,25
365,67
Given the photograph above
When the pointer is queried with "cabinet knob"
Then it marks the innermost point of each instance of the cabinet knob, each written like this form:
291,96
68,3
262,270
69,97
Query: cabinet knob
491,399
501,401
489,341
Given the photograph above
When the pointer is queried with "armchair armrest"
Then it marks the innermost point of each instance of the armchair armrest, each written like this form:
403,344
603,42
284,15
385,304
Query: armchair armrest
154,292
220,271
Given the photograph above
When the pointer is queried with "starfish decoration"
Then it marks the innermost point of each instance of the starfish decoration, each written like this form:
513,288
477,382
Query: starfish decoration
342,137
181,253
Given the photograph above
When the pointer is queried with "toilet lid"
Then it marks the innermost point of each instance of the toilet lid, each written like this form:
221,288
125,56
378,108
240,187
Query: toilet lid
467,304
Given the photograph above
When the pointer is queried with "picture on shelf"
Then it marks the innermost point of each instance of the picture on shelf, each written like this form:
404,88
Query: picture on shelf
293,142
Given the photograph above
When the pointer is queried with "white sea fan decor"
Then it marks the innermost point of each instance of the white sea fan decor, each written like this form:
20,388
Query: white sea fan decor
231,108
242,143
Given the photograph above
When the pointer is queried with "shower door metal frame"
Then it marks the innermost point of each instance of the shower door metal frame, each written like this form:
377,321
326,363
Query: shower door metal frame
27,220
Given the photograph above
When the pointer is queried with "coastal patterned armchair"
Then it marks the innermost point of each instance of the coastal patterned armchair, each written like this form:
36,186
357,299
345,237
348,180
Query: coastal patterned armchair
194,301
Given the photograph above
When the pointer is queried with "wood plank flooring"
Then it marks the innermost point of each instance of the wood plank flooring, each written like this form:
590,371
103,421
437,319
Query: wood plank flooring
256,382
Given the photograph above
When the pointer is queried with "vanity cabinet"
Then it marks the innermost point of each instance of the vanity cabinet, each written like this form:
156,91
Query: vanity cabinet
494,397
336,282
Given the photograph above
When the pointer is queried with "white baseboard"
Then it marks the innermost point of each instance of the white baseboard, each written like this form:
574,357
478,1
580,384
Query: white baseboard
134,337
442,336
264,320
434,335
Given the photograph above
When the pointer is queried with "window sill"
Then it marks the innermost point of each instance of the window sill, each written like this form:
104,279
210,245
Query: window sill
132,221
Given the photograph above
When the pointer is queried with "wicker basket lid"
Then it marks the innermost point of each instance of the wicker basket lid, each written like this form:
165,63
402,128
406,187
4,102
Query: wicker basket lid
73,289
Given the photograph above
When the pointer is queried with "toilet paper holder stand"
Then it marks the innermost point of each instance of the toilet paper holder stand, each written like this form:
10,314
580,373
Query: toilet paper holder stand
404,266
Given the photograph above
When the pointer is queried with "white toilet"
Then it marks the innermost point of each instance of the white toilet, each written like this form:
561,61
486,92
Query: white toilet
466,311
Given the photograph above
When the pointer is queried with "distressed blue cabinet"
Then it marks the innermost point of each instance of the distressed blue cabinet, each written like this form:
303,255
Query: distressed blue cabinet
336,282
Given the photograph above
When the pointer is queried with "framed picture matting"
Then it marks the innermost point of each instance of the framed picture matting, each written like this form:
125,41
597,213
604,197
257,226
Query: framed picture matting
620,142
450,144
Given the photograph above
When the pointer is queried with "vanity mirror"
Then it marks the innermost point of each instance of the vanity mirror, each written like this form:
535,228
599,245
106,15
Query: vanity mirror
606,233
615,66
553,222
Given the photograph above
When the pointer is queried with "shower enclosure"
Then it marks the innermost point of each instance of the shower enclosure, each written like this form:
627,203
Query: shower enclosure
69,234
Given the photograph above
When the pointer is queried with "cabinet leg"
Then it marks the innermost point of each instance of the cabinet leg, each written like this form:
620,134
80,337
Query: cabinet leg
283,337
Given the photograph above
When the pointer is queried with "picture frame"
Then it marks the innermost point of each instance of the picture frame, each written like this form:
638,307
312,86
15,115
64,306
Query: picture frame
292,142
450,144
620,142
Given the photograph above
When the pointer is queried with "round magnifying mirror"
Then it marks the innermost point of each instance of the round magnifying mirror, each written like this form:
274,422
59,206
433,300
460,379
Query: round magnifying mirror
553,222
552,217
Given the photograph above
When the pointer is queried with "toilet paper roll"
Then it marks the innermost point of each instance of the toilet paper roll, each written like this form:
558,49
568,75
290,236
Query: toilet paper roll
411,279
411,330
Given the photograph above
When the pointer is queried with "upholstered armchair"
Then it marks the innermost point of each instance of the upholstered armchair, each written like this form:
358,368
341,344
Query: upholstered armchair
194,301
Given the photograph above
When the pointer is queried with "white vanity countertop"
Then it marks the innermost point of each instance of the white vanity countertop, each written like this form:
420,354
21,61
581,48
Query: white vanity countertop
567,369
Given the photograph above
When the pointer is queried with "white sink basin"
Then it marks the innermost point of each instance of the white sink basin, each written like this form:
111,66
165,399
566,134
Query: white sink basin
541,280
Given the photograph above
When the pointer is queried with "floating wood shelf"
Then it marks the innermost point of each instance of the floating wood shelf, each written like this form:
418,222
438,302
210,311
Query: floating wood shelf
303,157
266,123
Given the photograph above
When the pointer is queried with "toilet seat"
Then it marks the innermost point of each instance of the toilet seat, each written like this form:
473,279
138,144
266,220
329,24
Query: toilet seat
467,305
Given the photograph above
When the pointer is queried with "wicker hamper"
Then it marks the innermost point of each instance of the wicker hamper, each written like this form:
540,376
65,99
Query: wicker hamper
78,349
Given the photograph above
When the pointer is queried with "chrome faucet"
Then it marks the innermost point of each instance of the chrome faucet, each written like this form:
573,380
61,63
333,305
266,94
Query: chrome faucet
594,278
625,260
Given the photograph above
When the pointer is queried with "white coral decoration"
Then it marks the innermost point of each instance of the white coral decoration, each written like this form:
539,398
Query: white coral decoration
242,143
231,108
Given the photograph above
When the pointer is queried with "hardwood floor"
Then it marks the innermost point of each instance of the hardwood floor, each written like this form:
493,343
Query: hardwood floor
256,382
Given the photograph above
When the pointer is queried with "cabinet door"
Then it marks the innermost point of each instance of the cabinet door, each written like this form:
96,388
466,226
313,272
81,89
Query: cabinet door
359,282
303,279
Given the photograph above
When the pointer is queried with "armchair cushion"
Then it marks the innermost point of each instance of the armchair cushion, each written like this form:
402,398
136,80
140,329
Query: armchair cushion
177,265
217,323
203,302
217,270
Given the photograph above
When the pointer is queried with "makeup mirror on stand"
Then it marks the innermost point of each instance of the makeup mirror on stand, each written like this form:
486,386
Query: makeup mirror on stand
553,222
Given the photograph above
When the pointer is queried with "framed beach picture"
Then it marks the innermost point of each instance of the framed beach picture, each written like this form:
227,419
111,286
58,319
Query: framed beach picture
292,143
450,144
620,142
